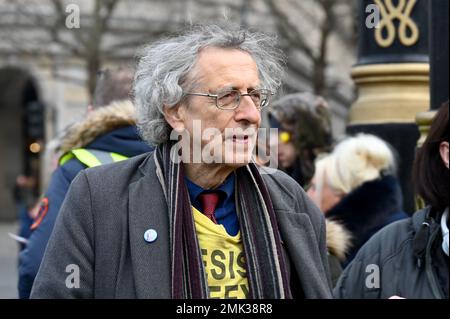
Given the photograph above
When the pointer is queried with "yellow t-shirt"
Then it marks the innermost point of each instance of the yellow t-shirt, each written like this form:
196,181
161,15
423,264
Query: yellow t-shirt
223,257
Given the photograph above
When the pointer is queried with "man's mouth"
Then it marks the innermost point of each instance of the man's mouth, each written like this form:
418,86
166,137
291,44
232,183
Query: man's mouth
240,139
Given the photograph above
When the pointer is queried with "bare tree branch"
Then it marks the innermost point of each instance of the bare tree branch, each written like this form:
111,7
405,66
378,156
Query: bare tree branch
59,25
288,30
296,39
104,35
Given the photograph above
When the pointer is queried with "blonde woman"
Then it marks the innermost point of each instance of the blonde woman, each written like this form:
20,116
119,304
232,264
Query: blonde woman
356,185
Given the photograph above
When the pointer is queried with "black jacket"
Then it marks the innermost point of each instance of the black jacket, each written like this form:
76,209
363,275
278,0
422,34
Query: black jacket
403,259
367,209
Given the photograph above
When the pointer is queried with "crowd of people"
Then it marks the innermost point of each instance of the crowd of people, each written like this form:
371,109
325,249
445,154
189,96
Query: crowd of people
132,207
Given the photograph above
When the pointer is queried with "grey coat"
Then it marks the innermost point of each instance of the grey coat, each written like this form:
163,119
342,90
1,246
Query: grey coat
101,225
403,259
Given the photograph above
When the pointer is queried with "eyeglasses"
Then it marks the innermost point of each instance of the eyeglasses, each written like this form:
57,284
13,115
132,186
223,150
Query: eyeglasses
230,99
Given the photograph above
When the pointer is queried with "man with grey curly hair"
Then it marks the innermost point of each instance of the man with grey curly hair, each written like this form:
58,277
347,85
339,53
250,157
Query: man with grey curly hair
196,218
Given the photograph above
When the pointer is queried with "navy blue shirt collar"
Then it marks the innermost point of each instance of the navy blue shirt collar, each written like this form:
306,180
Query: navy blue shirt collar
225,212
227,188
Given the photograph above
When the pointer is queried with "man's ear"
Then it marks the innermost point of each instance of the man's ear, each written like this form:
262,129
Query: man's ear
175,116
443,151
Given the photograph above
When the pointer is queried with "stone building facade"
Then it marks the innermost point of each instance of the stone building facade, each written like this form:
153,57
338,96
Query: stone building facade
30,56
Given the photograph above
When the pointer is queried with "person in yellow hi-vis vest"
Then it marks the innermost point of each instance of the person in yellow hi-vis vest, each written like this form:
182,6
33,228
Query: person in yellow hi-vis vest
107,135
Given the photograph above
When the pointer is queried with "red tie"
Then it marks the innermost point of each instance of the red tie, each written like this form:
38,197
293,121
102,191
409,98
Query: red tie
209,202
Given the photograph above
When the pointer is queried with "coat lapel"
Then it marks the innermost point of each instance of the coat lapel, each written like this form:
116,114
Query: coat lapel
148,210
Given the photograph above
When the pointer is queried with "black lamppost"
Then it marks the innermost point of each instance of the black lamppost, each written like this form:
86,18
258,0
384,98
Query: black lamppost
439,73
438,52
392,77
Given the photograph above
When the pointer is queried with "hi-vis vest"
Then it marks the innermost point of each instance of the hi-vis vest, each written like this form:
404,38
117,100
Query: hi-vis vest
91,157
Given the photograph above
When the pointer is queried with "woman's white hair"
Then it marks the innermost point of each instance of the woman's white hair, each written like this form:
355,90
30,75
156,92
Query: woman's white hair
355,161
164,70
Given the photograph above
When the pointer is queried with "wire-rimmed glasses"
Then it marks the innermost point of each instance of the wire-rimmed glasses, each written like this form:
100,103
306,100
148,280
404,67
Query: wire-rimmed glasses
230,99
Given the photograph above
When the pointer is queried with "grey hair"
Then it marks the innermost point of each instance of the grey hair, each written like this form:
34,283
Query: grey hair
165,66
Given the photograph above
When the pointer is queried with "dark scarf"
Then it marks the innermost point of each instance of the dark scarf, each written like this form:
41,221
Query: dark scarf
266,268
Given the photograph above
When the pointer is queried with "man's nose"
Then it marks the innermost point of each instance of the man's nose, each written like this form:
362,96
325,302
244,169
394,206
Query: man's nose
248,111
